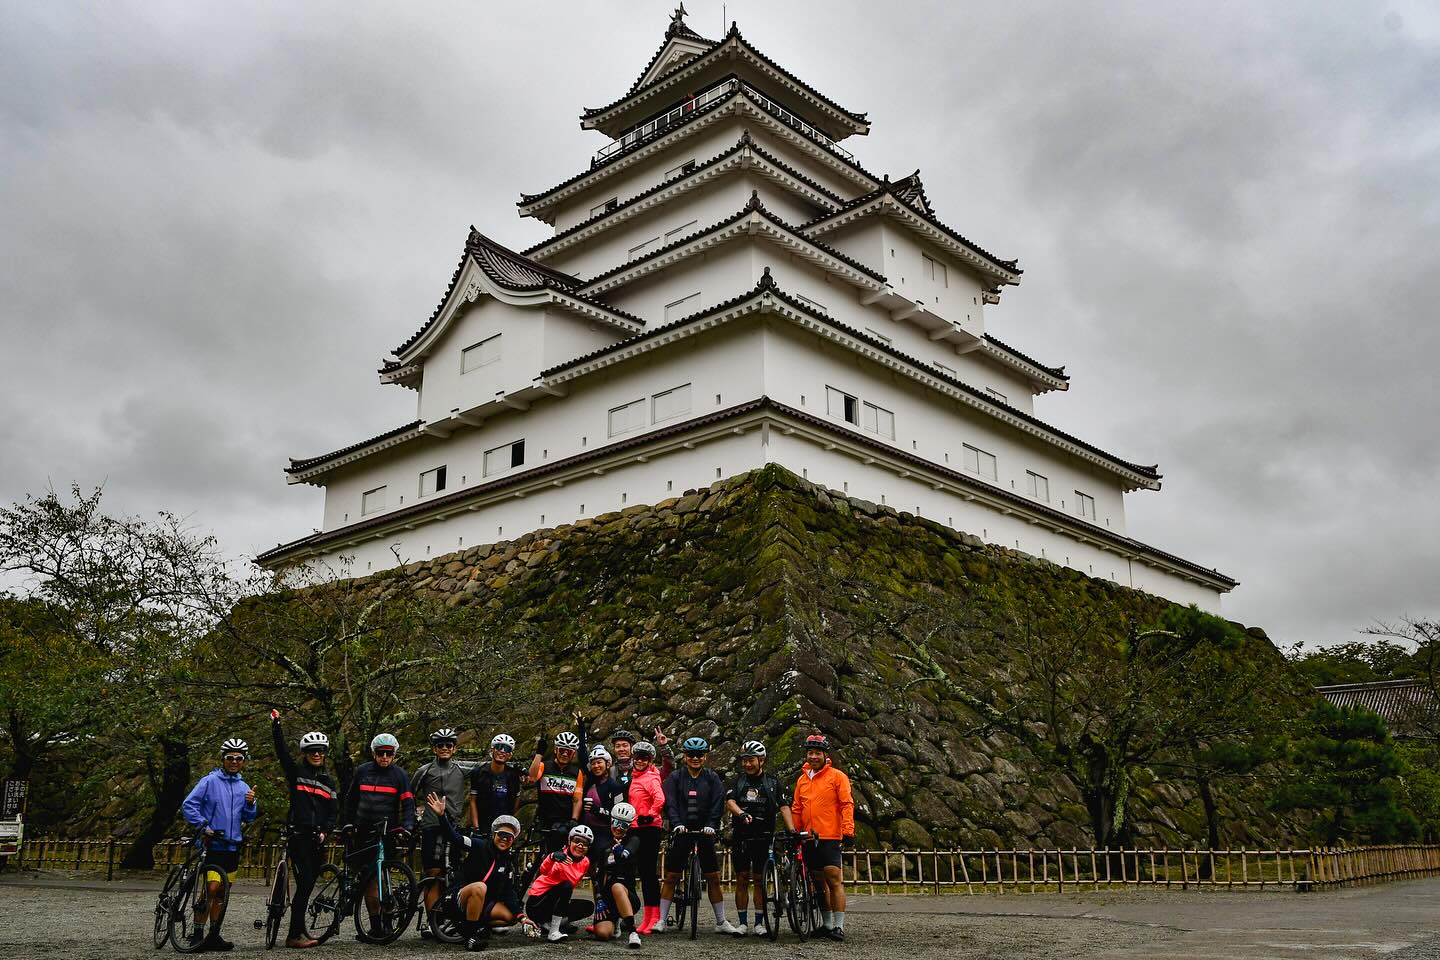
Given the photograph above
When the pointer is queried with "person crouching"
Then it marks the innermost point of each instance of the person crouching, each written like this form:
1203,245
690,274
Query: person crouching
547,902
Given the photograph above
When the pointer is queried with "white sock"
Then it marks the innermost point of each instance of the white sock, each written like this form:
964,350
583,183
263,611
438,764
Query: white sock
839,916
719,912
826,917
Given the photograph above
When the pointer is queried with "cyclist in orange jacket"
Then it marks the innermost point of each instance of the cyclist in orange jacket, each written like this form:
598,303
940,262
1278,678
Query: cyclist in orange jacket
823,808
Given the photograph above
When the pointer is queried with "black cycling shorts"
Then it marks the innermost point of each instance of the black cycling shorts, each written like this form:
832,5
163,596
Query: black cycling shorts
822,853
227,860
750,854
605,908
432,847
680,848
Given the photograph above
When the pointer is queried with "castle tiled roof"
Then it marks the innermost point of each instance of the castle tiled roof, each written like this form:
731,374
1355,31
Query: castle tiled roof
733,40
307,463
744,141
509,271
677,29
767,286
906,197
1057,372
528,198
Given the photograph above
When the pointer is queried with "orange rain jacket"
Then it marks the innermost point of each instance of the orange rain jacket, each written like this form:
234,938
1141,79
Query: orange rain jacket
823,804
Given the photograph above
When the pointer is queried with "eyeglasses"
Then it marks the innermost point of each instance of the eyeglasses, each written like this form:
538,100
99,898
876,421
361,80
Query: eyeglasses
234,758
503,837
384,752
583,844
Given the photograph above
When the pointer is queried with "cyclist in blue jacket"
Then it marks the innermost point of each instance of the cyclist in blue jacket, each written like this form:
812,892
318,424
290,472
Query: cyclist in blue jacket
221,804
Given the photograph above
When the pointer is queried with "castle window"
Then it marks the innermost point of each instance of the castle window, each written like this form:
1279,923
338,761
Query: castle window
504,457
372,501
432,481
879,420
672,234
1085,505
978,461
641,247
842,405
815,305
671,403
605,207
935,270
627,417
1037,486
683,168
478,355
681,307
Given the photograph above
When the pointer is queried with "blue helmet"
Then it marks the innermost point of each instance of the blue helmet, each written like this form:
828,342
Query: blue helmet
695,745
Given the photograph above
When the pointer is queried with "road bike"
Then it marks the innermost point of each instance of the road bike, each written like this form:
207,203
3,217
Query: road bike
380,896
170,896
687,889
190,896
772,884
441,923
802,907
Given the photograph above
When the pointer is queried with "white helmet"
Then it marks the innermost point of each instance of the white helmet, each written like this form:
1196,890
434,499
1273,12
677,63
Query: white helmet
444,735
503,740
600,753
384,740
622,814
644,749
567,741
582,832
752,748
314,740
235,745
505,820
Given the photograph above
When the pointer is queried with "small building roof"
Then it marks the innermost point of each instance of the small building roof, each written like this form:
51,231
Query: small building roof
1407,706
389,438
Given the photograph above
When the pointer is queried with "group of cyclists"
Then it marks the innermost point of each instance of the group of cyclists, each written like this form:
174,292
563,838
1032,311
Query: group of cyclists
605,821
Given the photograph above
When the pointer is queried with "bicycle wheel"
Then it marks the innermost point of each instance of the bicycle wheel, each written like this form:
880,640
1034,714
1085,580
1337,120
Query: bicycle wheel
692,893
322,916
186,934
442,923
772,899
797,901
165,903
279,901
395,891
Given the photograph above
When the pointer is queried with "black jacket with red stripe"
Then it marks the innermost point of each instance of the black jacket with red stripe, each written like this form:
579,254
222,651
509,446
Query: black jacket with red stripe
312,790
380,793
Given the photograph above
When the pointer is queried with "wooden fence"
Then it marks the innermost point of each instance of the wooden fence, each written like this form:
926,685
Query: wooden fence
952,871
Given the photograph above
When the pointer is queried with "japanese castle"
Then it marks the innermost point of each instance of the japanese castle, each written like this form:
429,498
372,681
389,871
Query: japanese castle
726,287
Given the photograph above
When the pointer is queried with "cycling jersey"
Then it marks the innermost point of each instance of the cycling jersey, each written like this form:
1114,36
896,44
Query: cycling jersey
484,863
761,797
494,793
217,802
313,799
557,792
647,795
380,793
602,794
445,778
558,868
823,804
695,802
617,861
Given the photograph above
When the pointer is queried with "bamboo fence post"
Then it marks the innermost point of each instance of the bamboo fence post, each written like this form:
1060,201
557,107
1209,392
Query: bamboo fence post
1094,870
1030,854
965,871
869,871
1244,869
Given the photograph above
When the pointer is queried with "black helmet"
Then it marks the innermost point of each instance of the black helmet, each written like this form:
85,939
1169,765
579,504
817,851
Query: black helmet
624,735
817,741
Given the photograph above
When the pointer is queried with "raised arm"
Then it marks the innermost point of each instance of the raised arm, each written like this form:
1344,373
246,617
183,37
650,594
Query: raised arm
287,762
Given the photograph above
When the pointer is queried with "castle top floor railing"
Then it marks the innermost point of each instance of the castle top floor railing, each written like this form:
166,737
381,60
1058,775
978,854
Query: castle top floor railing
652,128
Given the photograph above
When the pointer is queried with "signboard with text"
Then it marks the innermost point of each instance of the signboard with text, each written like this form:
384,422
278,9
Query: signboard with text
12,799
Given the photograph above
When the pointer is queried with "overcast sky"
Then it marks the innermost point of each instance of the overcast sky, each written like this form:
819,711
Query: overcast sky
215,218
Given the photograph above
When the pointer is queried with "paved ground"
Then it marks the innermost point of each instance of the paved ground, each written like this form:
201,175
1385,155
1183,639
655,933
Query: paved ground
46,916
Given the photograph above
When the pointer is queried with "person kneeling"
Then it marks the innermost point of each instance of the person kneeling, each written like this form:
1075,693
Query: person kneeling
486,896
547,902
615,879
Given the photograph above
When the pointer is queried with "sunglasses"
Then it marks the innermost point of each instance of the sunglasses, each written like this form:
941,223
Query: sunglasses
317,750
234,757
384,752
502,836
447,745
695,756
506,750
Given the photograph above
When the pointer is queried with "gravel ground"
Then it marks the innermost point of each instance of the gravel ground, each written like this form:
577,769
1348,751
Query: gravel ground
47,916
